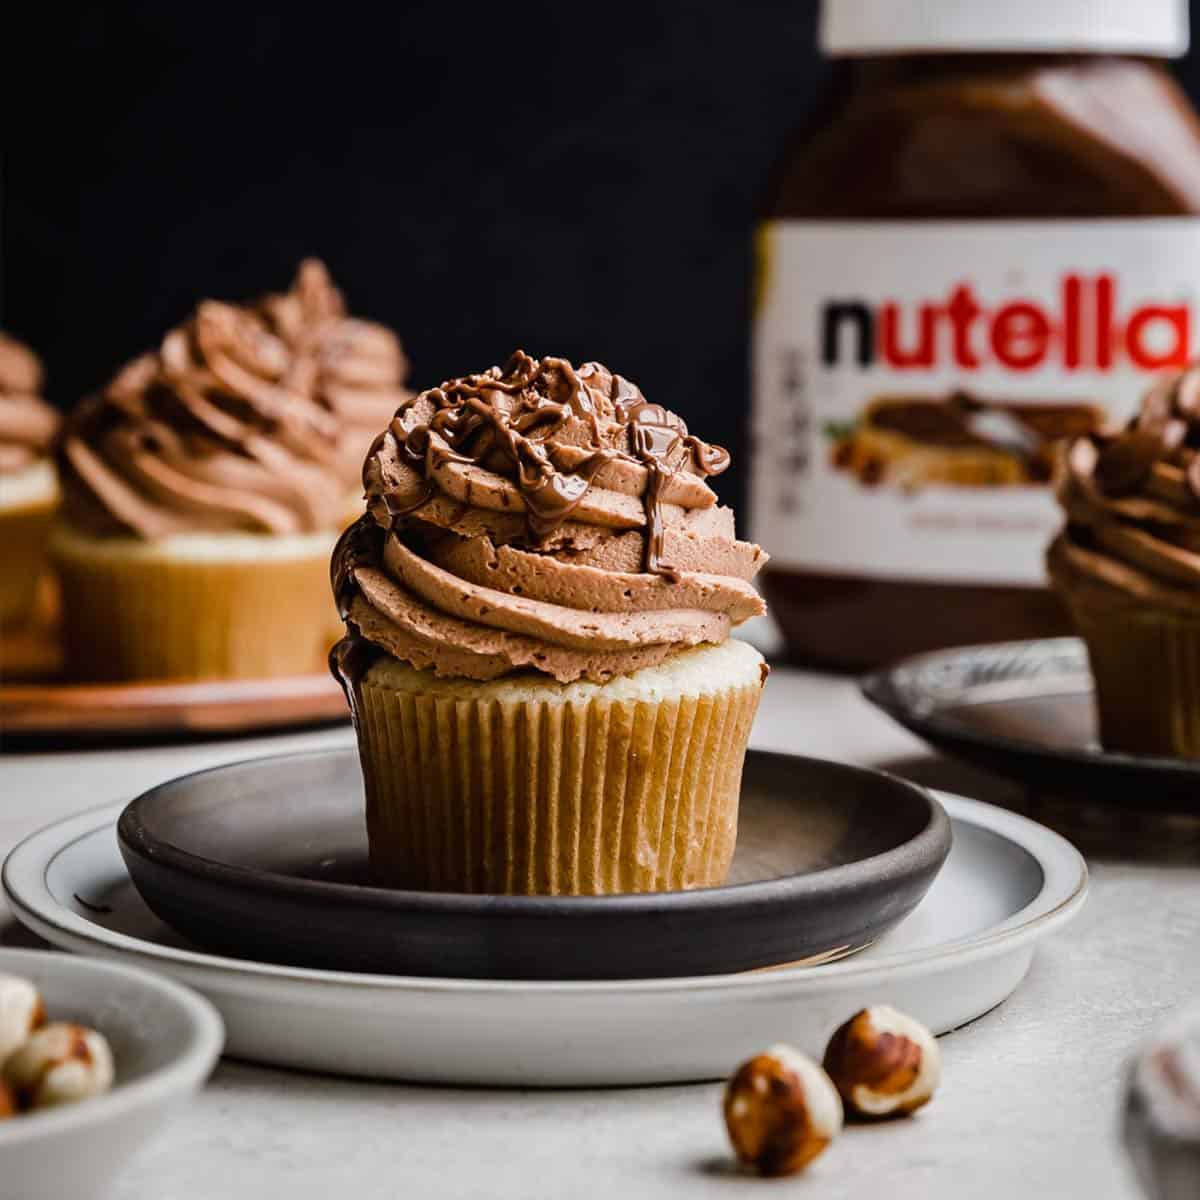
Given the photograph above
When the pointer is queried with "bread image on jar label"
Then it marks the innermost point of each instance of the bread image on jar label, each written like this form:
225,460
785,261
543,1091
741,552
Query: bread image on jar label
957,440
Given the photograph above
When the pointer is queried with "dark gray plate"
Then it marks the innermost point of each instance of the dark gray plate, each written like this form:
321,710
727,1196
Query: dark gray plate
1027,710
267,860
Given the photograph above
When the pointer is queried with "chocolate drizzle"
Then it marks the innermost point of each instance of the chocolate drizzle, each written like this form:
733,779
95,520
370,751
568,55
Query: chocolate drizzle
359,545
656,434
350,658
506,416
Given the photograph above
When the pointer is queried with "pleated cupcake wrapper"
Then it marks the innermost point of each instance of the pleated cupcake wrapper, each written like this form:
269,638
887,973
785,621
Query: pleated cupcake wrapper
1146,666
128,618
23,535
543,798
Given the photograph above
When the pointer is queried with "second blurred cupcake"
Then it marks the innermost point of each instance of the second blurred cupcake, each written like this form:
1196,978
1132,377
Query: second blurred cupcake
28,491
202,494
1127,564
355,369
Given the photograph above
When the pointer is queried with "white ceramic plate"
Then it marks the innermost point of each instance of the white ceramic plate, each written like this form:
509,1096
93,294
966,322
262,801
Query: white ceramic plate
1007,883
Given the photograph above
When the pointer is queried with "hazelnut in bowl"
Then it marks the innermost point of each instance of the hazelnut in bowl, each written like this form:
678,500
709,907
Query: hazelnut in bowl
96,1058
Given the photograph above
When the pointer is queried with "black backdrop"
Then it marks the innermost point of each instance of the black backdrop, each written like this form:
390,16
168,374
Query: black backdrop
578,179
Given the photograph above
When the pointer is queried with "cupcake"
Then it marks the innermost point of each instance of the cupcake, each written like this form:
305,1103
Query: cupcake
28,491
201,497
1127,564
353,368
538,604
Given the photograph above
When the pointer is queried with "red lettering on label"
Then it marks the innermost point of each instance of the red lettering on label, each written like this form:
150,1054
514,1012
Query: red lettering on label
1176,321
890,349
1072,350
1104,316
962,311
1020,335
1085,331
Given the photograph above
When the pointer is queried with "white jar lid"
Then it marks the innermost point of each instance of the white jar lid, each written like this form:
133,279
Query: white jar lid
879,27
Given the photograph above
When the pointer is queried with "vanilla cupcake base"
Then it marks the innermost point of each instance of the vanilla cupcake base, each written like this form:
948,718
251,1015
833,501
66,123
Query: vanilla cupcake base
28,500
194,606
526,786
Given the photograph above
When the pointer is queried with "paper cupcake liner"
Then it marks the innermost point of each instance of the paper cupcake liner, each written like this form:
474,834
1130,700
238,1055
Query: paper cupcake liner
139,612
23,534
535,797
1145,662
1146,667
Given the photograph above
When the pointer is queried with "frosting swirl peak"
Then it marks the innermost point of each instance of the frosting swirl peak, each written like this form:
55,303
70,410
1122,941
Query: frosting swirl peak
542,516
27,423
204,435
355,369
1132,499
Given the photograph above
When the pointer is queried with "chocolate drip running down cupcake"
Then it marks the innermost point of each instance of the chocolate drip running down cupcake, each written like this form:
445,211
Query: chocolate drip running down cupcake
538,604
202,497
538,516
1128,566
355,369
28,491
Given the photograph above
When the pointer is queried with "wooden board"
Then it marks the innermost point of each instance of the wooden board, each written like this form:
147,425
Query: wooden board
206,706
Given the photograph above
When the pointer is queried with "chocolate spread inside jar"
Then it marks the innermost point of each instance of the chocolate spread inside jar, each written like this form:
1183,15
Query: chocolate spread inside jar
971,253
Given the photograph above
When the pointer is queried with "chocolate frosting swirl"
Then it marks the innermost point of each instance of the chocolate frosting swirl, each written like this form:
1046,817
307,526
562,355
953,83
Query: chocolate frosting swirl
356,369
1132,500
540,516
204,435
27,423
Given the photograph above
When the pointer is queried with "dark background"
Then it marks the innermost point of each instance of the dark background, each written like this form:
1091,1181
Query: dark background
577,179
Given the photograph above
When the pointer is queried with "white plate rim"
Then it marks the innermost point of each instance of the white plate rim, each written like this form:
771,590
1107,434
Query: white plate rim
1063,892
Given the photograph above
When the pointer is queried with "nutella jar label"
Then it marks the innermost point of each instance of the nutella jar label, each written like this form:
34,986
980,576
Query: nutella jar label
912,378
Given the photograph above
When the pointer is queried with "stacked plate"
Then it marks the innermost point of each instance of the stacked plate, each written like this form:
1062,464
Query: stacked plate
1027,710
849,887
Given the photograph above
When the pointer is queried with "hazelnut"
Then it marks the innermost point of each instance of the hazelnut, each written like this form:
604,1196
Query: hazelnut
8,1102
60,1064
883,1063
21,1012
781,1111
1162,1108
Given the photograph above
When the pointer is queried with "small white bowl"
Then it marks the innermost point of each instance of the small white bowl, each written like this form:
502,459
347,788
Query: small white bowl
165,1040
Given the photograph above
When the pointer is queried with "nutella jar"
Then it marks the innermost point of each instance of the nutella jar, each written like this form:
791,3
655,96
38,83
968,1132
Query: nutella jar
989,241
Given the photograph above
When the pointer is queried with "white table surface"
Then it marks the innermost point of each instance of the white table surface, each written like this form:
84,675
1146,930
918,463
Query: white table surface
1029,1105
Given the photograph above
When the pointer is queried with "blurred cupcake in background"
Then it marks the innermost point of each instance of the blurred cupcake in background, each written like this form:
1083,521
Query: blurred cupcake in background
28,490
355,369
202,492
1127,565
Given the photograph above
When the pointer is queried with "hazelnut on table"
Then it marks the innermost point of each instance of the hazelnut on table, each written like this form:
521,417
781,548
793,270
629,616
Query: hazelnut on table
781,1110
883,1063
60,1064
1161,1125
21,1012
